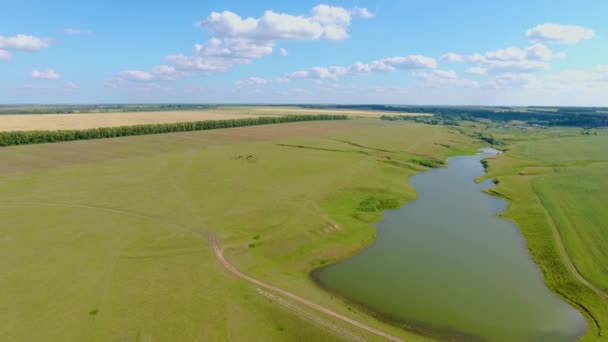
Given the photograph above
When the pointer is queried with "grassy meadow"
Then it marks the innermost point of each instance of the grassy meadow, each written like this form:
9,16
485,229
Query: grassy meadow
107,239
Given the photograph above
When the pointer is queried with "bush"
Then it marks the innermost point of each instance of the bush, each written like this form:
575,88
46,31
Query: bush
372,204
428,163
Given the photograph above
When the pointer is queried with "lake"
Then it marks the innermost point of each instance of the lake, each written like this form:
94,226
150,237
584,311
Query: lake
447,265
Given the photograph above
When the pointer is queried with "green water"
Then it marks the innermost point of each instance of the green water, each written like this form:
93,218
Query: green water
447,265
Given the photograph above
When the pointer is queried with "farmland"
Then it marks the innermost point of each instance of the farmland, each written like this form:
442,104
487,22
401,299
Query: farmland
108,239
48,118
32,122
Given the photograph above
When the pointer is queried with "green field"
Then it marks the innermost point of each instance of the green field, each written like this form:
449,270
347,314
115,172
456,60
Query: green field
107,239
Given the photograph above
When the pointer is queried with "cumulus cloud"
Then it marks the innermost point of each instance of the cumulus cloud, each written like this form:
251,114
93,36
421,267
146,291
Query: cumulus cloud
162,72
476,71
158,73
283,52
136,75
232,50
71,85
513,59
512,79
602,68
381,65
452,57
4,55
578,76
47,74
251,81
236,40
165,72
556,33
584,81
22,42
324,22
442,78
362,12
76,32
194,64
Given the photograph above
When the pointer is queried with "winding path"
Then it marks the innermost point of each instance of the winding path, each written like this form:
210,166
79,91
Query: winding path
233,270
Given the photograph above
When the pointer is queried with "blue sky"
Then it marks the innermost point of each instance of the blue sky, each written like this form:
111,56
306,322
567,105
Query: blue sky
404,52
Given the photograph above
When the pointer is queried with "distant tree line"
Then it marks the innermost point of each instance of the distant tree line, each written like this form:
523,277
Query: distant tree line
39,137
547,116
438,119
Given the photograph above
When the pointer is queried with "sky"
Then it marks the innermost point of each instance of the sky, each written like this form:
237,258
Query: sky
531,52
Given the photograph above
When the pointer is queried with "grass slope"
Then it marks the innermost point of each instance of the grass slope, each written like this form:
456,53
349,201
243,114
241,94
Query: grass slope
106,239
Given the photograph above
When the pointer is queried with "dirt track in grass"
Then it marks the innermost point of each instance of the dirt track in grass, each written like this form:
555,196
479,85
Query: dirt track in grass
233,270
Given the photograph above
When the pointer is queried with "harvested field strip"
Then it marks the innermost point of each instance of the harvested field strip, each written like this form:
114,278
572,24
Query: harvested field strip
51,122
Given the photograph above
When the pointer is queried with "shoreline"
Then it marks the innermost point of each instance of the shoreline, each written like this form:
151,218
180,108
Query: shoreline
419,328
423,328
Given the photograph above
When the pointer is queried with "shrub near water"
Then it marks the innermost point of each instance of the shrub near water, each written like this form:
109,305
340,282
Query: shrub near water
39,137
372,204
429,162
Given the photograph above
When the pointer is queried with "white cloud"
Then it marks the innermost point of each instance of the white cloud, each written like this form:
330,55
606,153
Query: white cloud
409,62
22,42
578,76
381,65
283,52
160,72
251,81
556,33
442,78
451,74
165,72
513,59
4,55
71,85
48,74
236,40
452,57
362,12
511,79
325,22
578,81
193,63
233,50
476,71
136,75
76,32
331,15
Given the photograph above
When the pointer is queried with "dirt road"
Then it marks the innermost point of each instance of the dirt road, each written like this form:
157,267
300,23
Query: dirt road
232,269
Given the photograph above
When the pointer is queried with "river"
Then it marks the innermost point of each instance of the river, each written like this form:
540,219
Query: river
447,265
